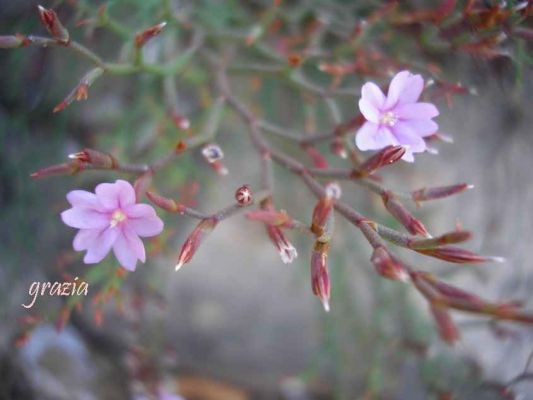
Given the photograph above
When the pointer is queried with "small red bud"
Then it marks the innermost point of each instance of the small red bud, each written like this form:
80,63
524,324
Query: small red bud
387,156
425,194
286,250
53,25
81,91
13,41
337,148
320,282
68,168
402,215
165,203
446,327
458,255
294,60
197,236
96,158
387,266
142,37
243,195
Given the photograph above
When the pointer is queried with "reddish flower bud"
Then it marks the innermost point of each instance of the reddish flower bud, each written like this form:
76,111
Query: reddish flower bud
166,203
53,25
197,236
458,255
141,184
13,41
319,273
96,158
458,236
243,195
319,161
322,212
337,148
402,215
253,35
219,168
80,92
450,291
180,121
387,156
446,327
68,168
142,37
425,194
286,250
294,60
271,217
387,266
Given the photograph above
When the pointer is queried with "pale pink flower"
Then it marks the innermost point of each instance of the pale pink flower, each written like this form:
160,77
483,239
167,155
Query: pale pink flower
398,118
111,219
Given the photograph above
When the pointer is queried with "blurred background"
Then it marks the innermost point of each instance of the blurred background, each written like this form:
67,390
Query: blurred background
237,323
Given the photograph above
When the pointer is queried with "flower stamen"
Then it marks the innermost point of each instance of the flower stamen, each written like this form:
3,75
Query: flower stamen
117,217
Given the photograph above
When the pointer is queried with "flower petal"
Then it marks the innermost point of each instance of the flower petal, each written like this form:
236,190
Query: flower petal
146,227
408,155
144,221
83,198
108,195
126,193
370,112
84,218
406,136
115,195
85,238
422,127
412,90
373,94
373,137
101,245
416,111
128,248
396,87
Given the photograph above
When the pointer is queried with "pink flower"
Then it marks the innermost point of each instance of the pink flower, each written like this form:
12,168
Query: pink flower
398,119
110,218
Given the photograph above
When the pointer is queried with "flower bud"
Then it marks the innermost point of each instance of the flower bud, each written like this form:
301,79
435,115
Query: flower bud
271,217
320,282
13,41
322,220
81,91
457,255
319,161
294,60
165,203
141,184
286,250
197,236
387,156
446,327
53,25
458,236
337,148
440,192
387,266
402,215
243,195
142,37
68,168
180,121
96,158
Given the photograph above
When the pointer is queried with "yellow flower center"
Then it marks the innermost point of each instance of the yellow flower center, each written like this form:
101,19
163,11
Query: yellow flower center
117,217
388,118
